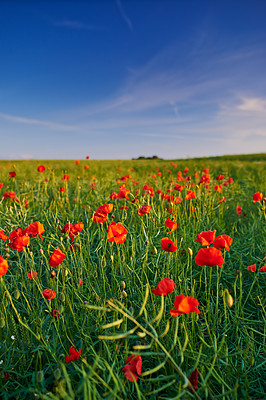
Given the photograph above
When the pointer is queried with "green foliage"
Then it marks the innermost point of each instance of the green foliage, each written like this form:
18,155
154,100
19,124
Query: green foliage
110,320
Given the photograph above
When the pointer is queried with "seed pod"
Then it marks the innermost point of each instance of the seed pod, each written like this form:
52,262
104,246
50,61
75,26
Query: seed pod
17,294
228,299
124,293
122,285
190,251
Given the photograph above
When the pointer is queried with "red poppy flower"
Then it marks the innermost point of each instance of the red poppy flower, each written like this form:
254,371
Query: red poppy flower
3,266
206,238
12,174
19,243
1,185
3,236
168,245
252,268
65,178
194,378
171,225
123,192
105,208
15,233
88,157
116,233
55,314
222,200
184,305
257,197
78,227
190,195
26,203
62,189
178,200
99,218
238,210
192,209
10,195
220,178
132,368
41,168
56,257
263,269
114,195
205,178
34,229
186,170
179,187
230,180
32,274
73,355
206,170
86,167
49,294
145,209
164,287
218,188
223,242
210,257
77,162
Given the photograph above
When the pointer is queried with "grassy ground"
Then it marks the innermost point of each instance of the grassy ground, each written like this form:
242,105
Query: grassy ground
225,344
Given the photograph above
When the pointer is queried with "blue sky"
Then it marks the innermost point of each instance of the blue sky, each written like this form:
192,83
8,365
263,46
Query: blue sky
123,78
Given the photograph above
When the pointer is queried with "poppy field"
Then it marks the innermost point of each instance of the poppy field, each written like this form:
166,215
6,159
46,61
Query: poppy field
133,279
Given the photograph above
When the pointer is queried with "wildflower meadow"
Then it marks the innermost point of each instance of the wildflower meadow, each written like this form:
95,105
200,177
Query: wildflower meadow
133,279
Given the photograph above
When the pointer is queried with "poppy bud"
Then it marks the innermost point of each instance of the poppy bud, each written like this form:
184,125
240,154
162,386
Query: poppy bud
7,255
228,299
122,285
41,251
112,257
39,376
17,294
2,322
57,373
62,297
124,293
147,243
190,251
154,250
65,272
52,274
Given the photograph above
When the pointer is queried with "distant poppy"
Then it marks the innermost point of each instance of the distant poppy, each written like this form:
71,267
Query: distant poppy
77,162
73,355
218,188
238,210
186,170
124,207
49,294
56,257
123,192
145,209
105,208
164,287
62,189
194,378
220,177
209,257
132,368
55,314
184,305
178,200
3,236
88,157
1,185
34,229
205,178
257,197
190,195
206,238
168,245
223,242
263,269
19,243
99,218
179,187
114,195
65,178
10,195
26,203
3,266
41,168
222,200
116,233
32,274
206,170
12,174
230,180
86,167
252,268
171,225
192,209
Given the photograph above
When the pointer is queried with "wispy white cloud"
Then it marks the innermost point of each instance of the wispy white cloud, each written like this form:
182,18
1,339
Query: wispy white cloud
72,24
124,15
252,104
30,121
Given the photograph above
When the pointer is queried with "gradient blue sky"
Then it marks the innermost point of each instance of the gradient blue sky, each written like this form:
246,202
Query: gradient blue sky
119,79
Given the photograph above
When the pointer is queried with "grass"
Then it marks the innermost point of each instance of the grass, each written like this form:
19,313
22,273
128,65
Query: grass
110,322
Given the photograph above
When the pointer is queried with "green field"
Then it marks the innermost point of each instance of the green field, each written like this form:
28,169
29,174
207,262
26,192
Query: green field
104,289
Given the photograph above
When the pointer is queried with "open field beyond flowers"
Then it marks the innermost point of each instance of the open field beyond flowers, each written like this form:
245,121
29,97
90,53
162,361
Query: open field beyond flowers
133,279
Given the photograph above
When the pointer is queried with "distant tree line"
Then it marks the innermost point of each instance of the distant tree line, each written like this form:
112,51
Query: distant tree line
147,158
